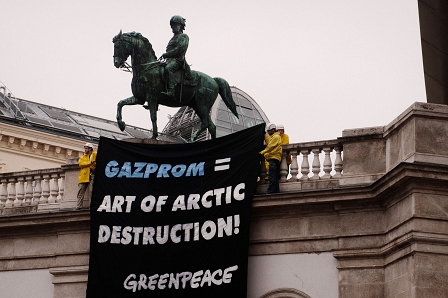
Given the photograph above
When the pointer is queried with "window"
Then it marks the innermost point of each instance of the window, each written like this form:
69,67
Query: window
223,115
285,293
245,111
248,122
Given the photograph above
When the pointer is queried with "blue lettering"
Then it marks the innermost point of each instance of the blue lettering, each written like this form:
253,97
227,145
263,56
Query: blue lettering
196,170
125,170
140,166
144,170
178,170
150,168
111,170
163,170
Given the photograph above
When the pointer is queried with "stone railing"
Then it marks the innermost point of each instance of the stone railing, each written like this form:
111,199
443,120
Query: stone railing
313,164
39,190
55,189
29,191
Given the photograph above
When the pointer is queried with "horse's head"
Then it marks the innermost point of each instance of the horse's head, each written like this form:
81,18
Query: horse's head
122,49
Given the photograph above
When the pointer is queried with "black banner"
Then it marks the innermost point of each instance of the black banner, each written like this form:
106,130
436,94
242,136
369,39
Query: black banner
173,220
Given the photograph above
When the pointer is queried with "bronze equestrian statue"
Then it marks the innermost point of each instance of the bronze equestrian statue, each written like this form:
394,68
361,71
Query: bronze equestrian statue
149,83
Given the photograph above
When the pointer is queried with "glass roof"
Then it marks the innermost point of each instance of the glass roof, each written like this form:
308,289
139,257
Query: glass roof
59,121
185,121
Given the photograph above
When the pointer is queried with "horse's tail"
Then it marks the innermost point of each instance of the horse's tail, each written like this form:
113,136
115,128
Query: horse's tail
226,94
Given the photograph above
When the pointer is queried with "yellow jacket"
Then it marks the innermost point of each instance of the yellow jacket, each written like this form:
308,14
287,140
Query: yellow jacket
273,148
284,138
86,163
284,141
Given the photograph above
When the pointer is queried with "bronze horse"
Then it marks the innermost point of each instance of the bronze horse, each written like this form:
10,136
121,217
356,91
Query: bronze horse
148,82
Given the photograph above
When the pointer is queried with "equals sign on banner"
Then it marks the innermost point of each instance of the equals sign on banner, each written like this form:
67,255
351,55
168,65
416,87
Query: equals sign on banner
222,164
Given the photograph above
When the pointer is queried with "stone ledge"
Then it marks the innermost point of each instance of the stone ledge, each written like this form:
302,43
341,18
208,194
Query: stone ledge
367,131
420,109
379,194
55,219
407,244
70,274
18,210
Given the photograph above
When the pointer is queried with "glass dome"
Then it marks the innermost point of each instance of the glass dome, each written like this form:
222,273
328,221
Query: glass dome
185,121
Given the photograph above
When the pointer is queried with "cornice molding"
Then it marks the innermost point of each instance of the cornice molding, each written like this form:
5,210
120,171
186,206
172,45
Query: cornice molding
392,187
22,141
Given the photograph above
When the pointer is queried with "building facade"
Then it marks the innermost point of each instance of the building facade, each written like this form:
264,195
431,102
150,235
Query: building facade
362,215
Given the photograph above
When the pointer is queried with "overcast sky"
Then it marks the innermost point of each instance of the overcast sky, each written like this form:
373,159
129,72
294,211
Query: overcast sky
316,66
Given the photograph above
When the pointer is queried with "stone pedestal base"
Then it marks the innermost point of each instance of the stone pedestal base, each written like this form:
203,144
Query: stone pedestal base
70,281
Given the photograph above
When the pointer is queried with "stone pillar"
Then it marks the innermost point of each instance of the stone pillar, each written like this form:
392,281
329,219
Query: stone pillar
70,281
364,155
420,135
71,170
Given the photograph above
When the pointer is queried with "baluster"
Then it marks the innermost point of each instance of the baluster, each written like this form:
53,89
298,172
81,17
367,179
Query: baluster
45,189
29,190
294,167
305,164
11,193
316,164
283,167
262,171
3,193
54,189
338,163
37,190
20,192
327,163
61,188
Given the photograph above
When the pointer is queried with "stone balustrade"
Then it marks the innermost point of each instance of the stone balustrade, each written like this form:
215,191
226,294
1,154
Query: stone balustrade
313,164
49,190
39,190
30,191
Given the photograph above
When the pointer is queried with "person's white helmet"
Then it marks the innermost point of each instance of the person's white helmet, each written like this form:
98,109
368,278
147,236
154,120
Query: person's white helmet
270,126
280,126
88,145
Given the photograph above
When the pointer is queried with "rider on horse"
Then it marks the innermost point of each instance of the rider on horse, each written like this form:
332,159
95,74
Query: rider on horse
175,53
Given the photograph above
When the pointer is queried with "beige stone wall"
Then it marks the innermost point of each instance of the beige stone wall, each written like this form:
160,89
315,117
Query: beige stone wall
56,243
12,161
398,277
26,149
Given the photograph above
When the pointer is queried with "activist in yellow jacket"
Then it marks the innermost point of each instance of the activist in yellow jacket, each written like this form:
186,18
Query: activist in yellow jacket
86,163
273,148
284,140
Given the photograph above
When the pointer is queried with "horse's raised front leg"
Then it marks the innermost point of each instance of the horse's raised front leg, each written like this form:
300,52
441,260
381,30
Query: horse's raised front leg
125,102
153,106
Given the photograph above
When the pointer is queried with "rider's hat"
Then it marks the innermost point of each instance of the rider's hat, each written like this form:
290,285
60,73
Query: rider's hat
178,20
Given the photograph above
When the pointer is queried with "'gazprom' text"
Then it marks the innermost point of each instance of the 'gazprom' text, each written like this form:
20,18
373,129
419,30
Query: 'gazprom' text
145,169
